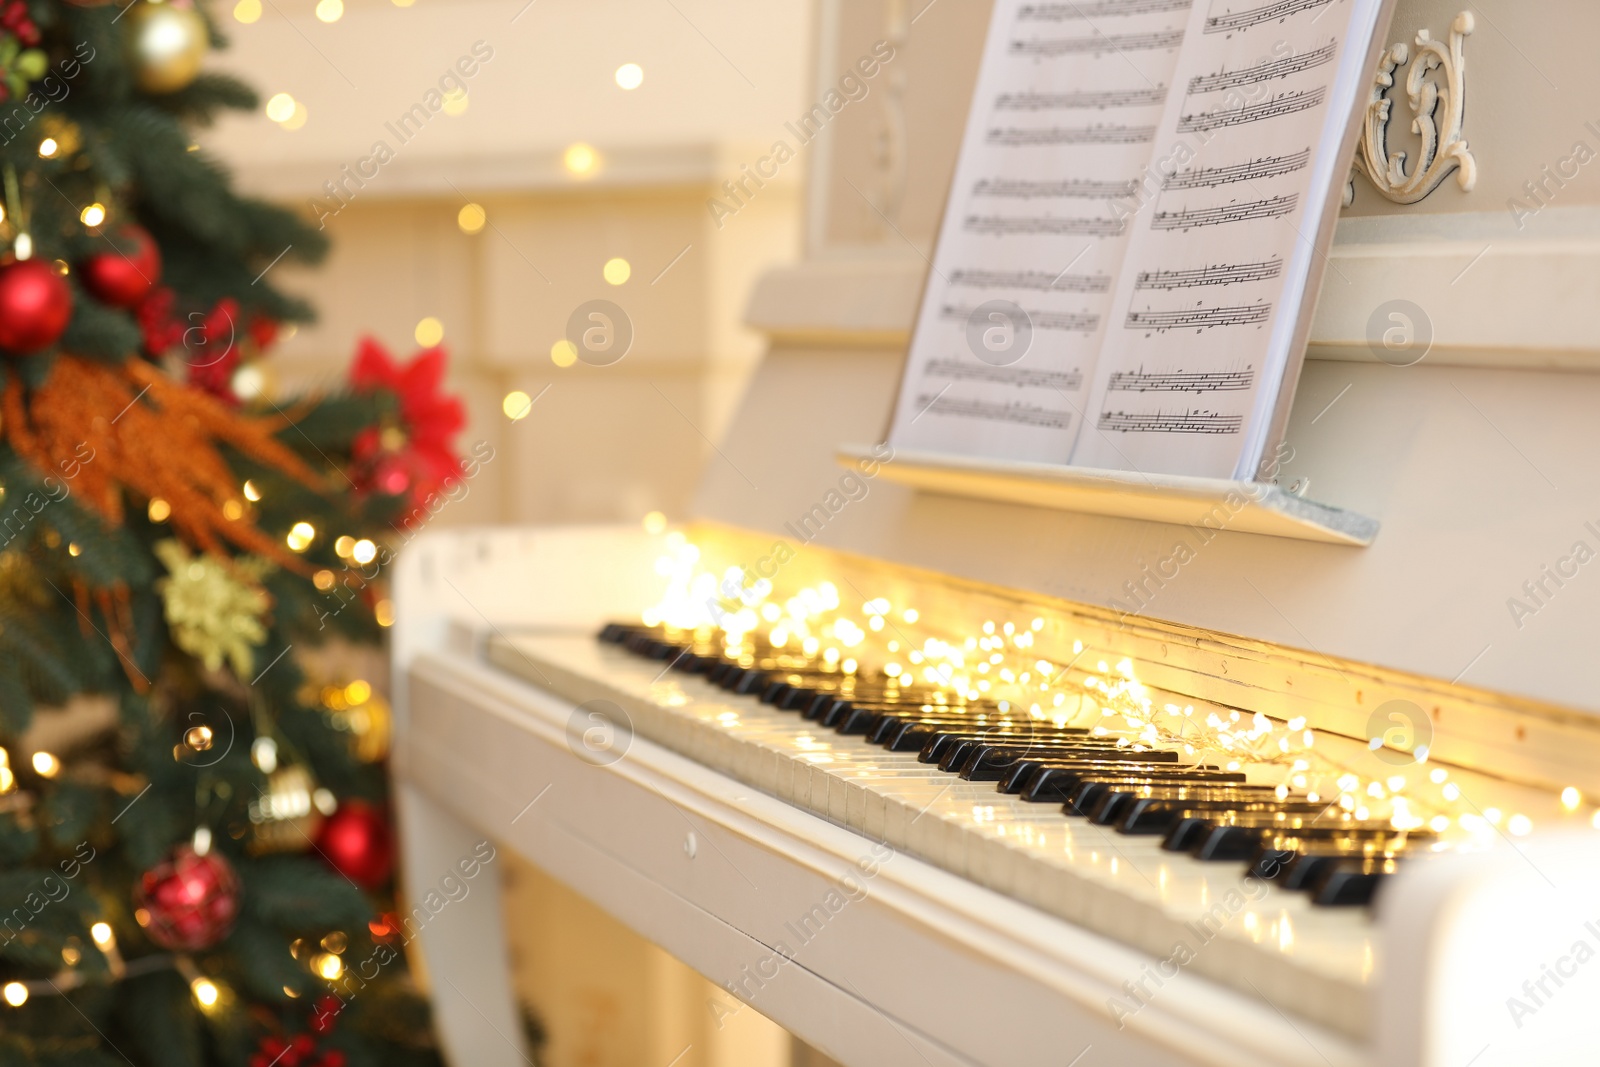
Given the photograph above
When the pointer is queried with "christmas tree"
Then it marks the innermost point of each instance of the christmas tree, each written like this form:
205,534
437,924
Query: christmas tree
195,854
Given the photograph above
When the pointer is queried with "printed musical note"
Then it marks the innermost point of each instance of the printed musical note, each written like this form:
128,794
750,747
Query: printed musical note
1256,169
1269,70
1198,318
1038,280
1099,100
1098,8
1271,208
1040,320
1015,136
1003,226
1277,12
1216,274
1191,421
1099,44
994,411
1277,107
1197,382
1065,381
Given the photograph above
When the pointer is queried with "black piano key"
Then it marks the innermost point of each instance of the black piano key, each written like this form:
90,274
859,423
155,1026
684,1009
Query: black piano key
774,692
1156,810
1053,781
614,633
992,763
1350,883
1050,779
1141,815
951,749
1273,864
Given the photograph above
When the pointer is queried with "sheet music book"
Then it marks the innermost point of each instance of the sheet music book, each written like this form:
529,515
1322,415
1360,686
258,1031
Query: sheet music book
1136,232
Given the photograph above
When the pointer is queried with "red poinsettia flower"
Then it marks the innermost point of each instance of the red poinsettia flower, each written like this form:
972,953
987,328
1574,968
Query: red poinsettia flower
161,330
211,350
415,457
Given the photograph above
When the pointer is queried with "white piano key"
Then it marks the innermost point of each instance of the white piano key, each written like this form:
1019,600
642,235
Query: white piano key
1126,887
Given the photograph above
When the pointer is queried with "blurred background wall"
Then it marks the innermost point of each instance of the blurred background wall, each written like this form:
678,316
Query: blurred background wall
588,133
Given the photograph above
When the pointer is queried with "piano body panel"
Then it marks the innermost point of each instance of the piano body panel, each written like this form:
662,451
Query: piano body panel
1479,476
923,954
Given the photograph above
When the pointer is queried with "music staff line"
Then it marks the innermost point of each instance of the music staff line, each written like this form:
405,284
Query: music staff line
1190,421
1275,12
1269,70
1050,226
1036,281
1199,318
995,411
1066,381
1068,189
1086,100
1024,136
1271,208
1097,9
1259,168
1217,274
1197,382
1279,106
1099,44
1072,321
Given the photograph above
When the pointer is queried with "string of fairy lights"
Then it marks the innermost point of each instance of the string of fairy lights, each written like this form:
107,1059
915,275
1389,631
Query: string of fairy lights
1002,662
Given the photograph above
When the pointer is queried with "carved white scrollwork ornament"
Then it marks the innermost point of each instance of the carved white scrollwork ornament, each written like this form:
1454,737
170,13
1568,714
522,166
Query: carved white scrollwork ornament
1436,88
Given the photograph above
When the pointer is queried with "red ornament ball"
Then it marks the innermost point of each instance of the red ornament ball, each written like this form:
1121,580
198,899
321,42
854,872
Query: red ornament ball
35,305
358,841
190,901
124,274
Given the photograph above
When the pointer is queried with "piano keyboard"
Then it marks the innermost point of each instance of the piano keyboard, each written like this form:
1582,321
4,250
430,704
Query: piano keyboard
1212,868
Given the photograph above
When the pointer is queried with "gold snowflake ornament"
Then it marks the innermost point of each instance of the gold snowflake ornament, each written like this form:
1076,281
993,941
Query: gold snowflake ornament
214,608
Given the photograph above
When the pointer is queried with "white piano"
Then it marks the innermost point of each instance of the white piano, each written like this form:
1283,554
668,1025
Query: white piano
1438,682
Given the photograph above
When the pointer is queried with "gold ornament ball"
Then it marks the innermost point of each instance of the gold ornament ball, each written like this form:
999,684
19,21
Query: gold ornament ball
169,43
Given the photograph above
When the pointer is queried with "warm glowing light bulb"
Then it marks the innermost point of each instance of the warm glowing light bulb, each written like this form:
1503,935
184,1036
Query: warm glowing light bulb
101,932
630,76
16,994
455,102
429,332
205,992
617,271
48,148
472,218
383,613
1571,798
46,765
251,493
516,405
300,536
655,522
330,10
22,247
580,160
247,11
159,510
328,965
563,353
93,215
280,107
364,551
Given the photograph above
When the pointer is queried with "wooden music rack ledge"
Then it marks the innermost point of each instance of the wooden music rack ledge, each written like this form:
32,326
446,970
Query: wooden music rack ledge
1242,507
